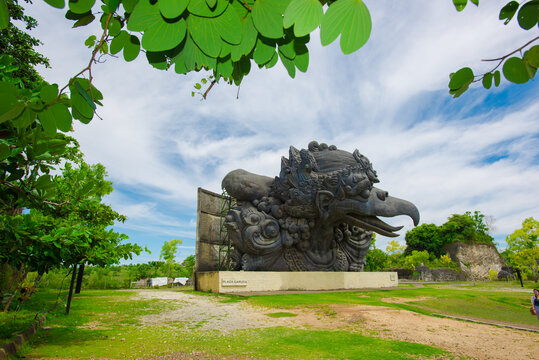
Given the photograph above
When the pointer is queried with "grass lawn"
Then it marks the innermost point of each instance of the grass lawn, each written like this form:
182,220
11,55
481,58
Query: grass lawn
488,301
107,324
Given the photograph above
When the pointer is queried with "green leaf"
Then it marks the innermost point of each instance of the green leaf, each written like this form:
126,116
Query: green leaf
171,9
351,19
194,58
62,117
158,59
70,15
211,3
129,5
487,80
49,93
4,151
85,20
461,78
117,44
273,61
96,94
289,65
12,113
286,47
4,15
225,67
131,48
8,94
508,11
201,8
113,5
90,42
532,56
205,33
305,15
144,16
77,115
104,49
81,6
198,86
460,4
114,27
46,117
80,101
59,4
25,119
529,69
36,104
514,70
248,40
528,15
302,57
264,50
476,2
164,36
226,48
268,17
179,64
230,26
497,78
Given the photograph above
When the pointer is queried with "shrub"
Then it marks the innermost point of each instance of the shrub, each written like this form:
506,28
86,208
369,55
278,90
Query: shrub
492,275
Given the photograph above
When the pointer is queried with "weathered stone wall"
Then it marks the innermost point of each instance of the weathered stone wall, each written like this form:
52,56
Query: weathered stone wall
437,274
475,260
207,234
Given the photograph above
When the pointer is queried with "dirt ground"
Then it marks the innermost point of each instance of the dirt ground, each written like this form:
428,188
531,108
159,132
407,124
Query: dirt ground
463,339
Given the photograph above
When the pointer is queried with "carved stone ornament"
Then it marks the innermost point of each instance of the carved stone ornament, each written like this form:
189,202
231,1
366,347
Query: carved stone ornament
317,215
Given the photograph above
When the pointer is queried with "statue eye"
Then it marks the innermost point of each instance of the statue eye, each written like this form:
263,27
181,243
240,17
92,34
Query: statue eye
254,219
271,230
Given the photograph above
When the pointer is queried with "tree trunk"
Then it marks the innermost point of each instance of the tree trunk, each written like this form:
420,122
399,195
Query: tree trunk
79,279
70,295
16,289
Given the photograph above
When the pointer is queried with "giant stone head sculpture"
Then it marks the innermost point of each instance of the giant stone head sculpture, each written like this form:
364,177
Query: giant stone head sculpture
317,215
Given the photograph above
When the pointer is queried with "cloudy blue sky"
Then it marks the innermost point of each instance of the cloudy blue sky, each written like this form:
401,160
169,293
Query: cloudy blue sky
389,100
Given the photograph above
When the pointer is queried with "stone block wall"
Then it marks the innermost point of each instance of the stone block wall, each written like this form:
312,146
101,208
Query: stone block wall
209,215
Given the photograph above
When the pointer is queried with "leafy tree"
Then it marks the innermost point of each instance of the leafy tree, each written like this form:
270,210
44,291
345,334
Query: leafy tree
523,247
517,69
426,237
20,45
76,232
416,258
188,264
394,248
466,228
168,253
376,260
169,250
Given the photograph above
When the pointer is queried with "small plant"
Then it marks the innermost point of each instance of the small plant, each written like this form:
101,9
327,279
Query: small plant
492,275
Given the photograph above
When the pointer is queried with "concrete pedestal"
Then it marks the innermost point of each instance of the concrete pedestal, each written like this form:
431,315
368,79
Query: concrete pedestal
251,281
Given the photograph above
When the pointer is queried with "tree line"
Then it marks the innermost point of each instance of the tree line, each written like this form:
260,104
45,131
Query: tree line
426,244
120,276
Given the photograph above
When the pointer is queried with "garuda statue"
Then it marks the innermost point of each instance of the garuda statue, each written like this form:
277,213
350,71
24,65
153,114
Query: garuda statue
317,215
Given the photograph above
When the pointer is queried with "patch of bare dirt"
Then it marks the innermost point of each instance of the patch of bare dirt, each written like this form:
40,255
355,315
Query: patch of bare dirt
477,341
398,300
469,340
